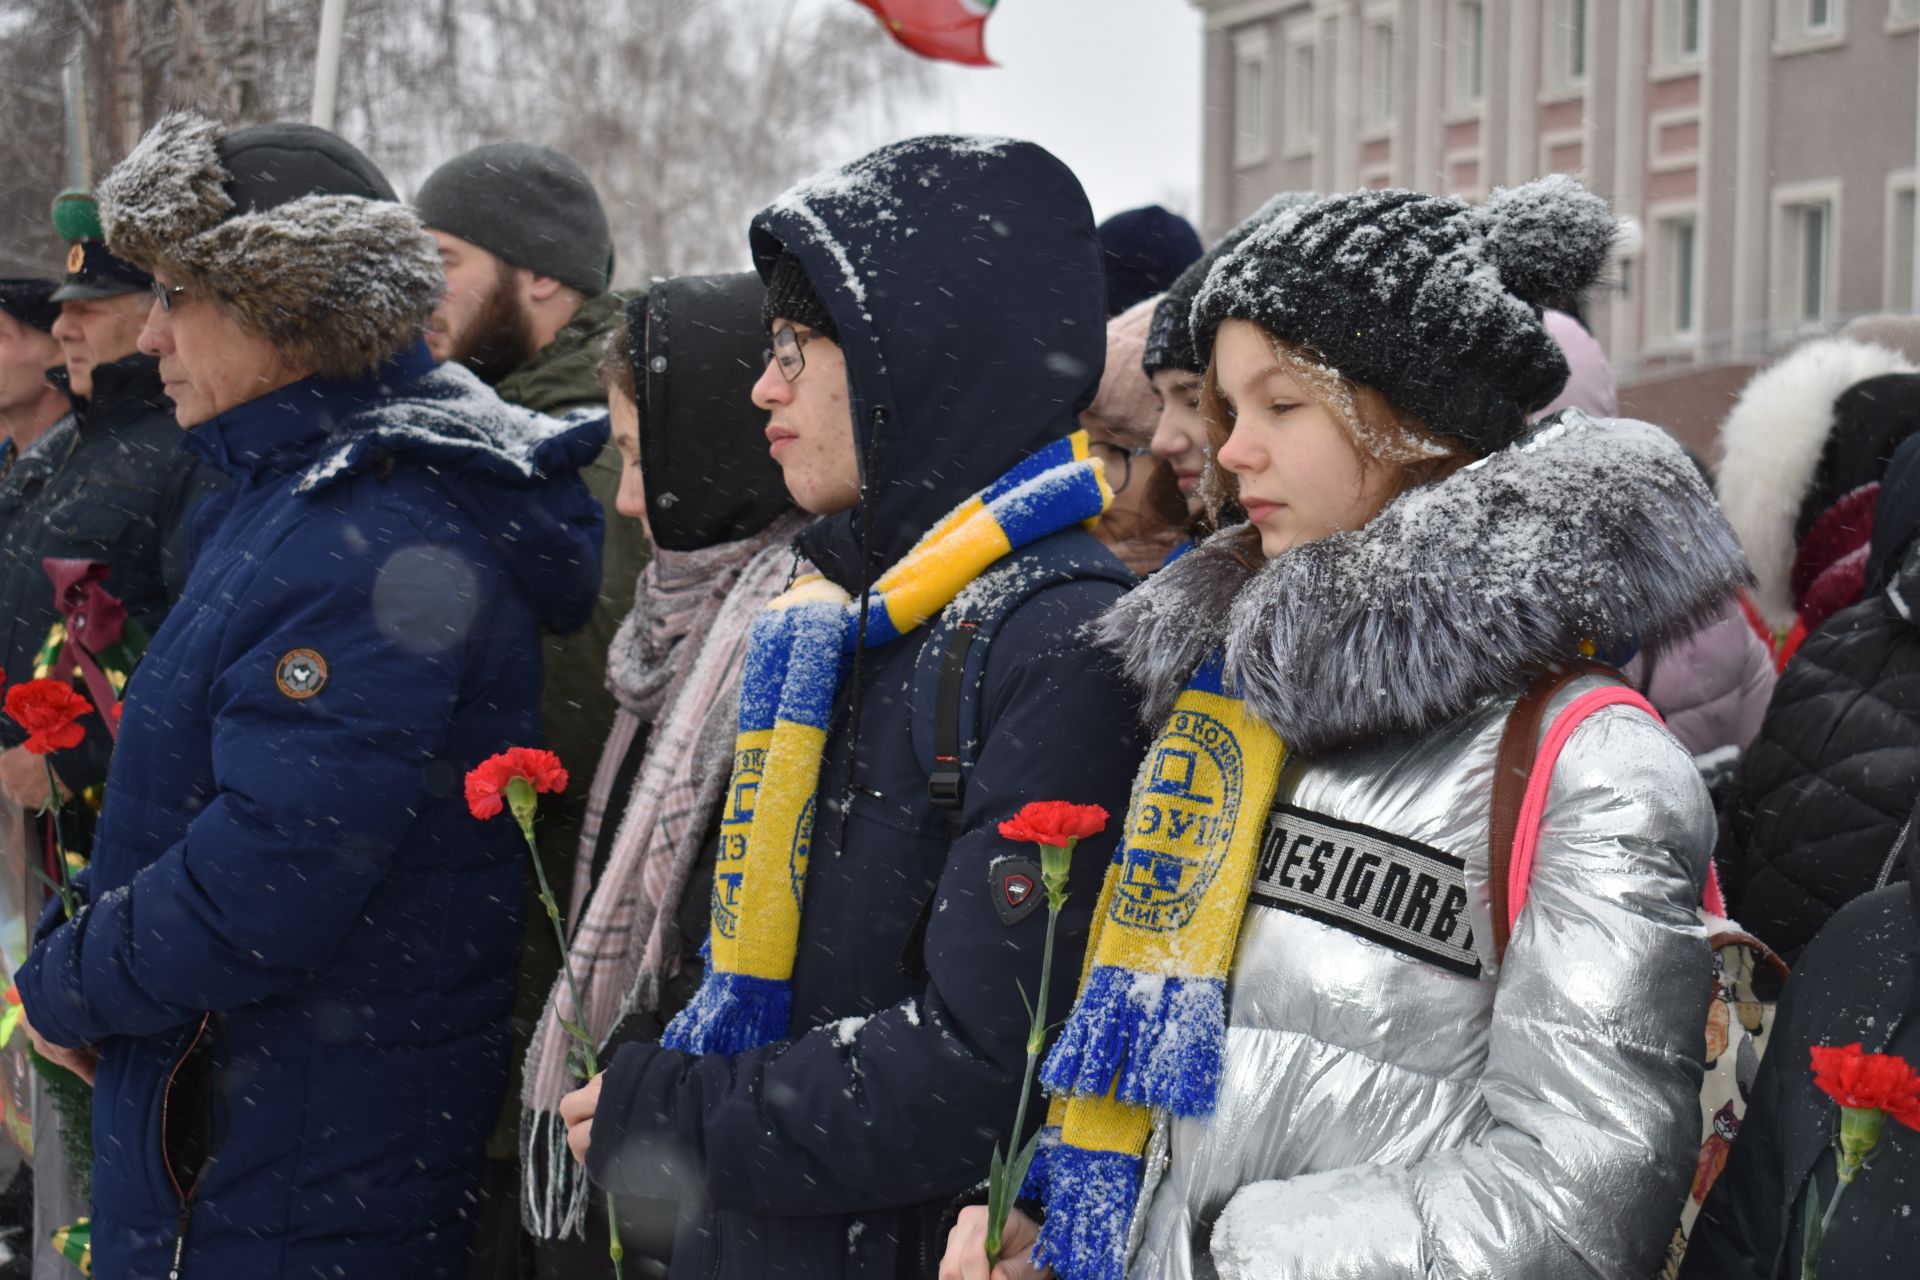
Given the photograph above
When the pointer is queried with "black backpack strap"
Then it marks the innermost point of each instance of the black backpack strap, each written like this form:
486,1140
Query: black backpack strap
952,664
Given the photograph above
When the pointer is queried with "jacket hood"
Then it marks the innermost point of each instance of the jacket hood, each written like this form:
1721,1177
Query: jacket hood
1771,446
696,344
964,277
516,473
1590,385
1583,533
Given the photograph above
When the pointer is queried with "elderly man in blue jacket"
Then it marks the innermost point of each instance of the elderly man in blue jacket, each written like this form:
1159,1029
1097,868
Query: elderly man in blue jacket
935,313
291,974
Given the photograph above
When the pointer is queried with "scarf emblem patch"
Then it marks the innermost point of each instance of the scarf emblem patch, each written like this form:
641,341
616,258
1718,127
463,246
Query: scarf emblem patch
1174,844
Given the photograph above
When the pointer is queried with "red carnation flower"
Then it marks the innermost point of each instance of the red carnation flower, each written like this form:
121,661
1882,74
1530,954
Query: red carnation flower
50,711
1877,1081
487,783
1055,823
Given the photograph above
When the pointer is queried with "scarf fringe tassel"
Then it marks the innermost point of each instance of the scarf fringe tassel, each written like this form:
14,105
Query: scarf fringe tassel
1090,1204
732,1013
1155,1042
554,1190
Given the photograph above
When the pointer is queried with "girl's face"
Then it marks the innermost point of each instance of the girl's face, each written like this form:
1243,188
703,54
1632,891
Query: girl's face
631,500
1299,475
1180,435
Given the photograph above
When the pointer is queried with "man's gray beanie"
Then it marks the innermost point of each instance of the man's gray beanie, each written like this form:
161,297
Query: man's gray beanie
529,206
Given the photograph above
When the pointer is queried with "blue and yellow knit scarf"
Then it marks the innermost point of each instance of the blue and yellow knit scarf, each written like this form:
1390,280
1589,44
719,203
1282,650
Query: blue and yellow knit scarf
1149,1028
797,656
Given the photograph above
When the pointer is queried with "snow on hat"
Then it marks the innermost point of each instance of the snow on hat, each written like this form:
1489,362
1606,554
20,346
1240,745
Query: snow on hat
1170,337
1433,301
290,228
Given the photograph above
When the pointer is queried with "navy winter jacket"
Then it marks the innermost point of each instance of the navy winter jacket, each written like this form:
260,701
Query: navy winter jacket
964,280
297,958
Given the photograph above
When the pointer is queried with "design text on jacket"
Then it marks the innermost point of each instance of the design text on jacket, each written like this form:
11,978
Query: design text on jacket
1389,889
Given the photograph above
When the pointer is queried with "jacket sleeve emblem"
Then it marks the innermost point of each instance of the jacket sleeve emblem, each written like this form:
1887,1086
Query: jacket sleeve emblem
300,674
1015,884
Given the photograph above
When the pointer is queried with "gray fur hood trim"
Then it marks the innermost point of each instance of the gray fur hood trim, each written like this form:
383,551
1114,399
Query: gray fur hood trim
339,284
1585,531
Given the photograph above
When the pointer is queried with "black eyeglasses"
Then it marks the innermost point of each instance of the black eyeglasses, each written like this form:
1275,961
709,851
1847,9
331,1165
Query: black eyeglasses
166,293
1117,459
786,349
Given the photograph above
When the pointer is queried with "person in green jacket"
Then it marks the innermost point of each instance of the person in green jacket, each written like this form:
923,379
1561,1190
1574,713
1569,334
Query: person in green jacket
529,262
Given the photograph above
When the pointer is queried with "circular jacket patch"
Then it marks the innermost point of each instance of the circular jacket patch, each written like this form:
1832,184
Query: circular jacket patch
301,674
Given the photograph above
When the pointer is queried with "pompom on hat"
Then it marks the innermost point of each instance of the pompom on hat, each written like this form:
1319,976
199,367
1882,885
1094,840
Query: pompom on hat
290,228
1433,301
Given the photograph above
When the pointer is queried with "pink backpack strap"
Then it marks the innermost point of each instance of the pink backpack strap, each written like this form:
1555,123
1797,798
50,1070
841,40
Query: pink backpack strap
1533,806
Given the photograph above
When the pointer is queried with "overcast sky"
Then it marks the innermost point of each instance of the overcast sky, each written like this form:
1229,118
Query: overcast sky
1112,87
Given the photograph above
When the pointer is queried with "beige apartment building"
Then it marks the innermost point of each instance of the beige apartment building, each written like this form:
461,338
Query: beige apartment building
1763,149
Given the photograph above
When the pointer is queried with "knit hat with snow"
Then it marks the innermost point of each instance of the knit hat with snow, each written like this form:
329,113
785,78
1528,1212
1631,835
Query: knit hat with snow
529,206
294,232
1169,336
791,296
1432,301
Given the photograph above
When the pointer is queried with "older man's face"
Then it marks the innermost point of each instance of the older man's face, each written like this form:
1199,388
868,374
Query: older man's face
208,362
96,331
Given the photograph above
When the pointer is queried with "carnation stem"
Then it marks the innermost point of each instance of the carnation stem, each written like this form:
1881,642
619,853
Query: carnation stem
69,903
576,1026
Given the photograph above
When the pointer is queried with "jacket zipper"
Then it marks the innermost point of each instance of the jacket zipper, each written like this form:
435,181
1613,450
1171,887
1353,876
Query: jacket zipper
184,1194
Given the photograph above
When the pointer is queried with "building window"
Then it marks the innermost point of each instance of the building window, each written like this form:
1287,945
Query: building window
1469,62
1900,232
1565,33
1682,31
1809,24
1251,98
1675,304
1302,118
1379,73
1804,255
1902,14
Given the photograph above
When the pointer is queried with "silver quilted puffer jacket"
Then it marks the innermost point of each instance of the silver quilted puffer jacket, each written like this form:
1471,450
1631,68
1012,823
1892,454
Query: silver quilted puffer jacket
1393,1106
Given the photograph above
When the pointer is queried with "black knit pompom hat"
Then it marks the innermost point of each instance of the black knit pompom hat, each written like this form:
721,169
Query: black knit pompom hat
1430,300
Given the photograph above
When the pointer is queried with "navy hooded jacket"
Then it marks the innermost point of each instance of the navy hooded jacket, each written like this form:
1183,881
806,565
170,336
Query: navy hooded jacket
298,952
964,281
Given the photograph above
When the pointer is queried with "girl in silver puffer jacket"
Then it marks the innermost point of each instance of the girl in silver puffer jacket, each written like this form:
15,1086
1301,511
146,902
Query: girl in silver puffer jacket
1367,1091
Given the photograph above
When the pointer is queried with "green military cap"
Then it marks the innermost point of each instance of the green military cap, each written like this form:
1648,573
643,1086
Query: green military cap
92,272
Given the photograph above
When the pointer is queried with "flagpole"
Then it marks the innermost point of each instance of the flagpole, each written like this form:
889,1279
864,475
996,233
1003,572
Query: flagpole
326,63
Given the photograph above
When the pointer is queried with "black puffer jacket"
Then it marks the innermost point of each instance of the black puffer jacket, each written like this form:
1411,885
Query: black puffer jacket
111,483
1860,981
1825,787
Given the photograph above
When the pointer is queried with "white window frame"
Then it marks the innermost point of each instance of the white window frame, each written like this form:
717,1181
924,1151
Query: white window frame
1789,317
1902,16
1896,284
1663,330
1300,119
1252,98
1669,19
1558,19
1464,56
1379,89
1794,30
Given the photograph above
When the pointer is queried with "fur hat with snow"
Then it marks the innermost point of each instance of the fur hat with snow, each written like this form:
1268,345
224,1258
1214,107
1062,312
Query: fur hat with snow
289,227
1431,300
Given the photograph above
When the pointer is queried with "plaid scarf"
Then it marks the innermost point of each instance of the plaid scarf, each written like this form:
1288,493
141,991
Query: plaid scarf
674,668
